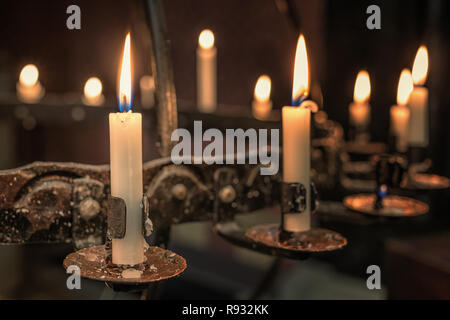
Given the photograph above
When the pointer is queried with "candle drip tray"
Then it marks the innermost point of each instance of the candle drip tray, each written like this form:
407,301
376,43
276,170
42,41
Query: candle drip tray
425,181
312,241
393,206
159,264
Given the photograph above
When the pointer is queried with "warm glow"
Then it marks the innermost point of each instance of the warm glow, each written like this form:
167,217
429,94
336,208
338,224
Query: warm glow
206,39
300,88
420,67
29,75
93,88
262,88
125,78
362,88
405,87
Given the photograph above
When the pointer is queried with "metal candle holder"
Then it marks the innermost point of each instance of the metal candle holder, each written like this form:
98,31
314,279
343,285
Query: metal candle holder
390,172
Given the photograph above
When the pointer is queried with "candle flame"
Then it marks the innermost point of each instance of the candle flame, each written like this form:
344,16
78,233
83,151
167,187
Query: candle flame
206,39
405,87
361,93
262,88
29,75
420,66
124,95
93,88
300,88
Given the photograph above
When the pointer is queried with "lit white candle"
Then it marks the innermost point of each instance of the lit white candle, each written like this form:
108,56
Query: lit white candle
262,105
125,129
296,140
147,86
206,72
400,113
28,88
360,108
418,102
92,95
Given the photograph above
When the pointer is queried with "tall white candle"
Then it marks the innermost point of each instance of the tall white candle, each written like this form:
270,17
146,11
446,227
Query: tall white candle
206,72
28,88
418,102
262,105
400,114
296,140
360,108
125,130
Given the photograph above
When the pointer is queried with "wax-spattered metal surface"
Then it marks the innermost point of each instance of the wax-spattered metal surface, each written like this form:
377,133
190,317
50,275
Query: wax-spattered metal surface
159,264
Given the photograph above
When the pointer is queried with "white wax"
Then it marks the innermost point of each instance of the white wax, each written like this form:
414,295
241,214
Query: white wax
418,128
261,109
359,114
94,101
207,79
125,131
30,93
400,116
297,161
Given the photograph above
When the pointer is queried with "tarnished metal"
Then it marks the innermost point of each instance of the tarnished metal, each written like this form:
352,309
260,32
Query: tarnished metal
393,206
147,225
64,202
159,264
294,198
314,240
166,102
117,217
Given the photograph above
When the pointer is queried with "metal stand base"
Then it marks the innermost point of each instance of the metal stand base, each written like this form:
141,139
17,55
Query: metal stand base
159,264
393,206
425,181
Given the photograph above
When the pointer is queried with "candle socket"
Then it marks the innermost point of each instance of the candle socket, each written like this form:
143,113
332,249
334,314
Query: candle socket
116,220
293,201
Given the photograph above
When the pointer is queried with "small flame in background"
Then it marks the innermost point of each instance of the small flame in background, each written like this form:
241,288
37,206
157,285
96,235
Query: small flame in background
420,67
361,93
300,87
405,87
124,95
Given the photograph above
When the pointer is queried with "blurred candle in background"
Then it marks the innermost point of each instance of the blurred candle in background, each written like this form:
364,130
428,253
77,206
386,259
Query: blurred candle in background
360,108
147,86
206,72
262,105
29,89
418,102
296,140
93,92
125,130
400,113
